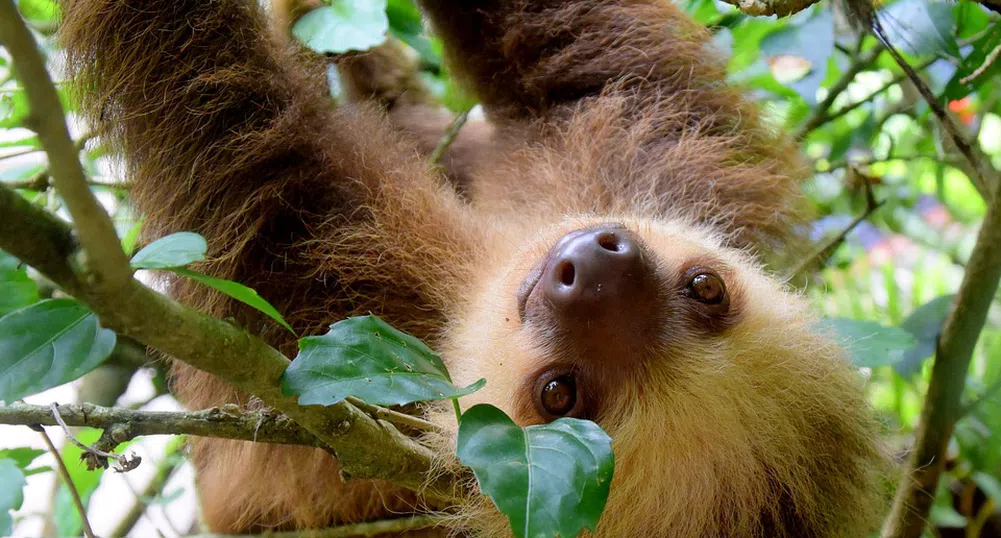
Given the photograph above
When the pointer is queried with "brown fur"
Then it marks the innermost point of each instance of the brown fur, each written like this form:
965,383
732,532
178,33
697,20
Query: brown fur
605,110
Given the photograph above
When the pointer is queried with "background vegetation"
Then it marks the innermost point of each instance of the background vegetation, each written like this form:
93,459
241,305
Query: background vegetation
900,205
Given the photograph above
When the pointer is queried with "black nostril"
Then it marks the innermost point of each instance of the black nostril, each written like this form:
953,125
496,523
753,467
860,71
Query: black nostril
567,273
609,241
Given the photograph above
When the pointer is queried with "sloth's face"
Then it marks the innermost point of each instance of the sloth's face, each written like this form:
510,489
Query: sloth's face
728,412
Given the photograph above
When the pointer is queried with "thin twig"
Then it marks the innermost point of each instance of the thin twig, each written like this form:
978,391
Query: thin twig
126,463
989,60
984,176
65,474
819,114
20,153
164,470
844,163
42,181
394,417
373,528
828,247
450,135
891,83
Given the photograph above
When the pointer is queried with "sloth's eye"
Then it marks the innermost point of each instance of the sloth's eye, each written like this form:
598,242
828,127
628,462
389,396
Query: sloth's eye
707,288
558,396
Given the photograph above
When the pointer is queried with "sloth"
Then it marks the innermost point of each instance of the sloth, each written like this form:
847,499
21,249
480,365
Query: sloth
612,255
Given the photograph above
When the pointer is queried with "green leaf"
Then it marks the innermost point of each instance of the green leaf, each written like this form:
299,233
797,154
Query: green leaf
237,291
366,358
175,250
924,323
16,287
11,493
345,25
920,27
13,108
23,456
809,43
871,344
405,23
549,480
39,10
47,344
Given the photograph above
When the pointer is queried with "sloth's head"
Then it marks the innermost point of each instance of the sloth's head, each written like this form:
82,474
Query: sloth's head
730,414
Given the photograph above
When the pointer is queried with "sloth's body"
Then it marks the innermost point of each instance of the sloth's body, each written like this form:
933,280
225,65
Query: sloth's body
602,266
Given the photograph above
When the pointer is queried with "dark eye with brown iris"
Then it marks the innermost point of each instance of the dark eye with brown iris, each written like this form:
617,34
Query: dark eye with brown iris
559,395
707,288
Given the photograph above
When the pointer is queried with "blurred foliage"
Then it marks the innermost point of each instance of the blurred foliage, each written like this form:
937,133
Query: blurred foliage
860,122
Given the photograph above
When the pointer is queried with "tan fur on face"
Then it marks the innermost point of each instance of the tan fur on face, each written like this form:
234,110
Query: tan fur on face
758,431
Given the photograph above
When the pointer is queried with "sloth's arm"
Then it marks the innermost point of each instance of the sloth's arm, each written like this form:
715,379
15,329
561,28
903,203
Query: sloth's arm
225,133
524,58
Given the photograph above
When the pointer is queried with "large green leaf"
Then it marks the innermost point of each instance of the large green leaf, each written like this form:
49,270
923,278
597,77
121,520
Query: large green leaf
549,480
345,25
23,456
16,288
924,323
11,493
920,27
175,250
871,344
47,344
237,291
366,358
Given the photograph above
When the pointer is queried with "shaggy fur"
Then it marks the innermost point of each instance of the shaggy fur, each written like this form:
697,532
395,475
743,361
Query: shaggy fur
605,110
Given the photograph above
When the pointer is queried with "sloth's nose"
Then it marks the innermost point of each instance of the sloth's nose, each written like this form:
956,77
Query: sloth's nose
594,270
598,287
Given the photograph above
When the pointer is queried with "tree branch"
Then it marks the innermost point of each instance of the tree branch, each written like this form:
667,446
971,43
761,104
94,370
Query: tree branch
106,262
783,8
228,422
942,405
374,528
982,173
365,447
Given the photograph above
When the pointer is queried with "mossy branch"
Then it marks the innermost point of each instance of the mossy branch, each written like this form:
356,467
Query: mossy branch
228,422
100,276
